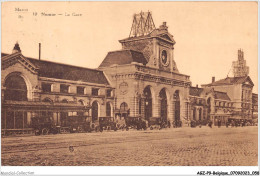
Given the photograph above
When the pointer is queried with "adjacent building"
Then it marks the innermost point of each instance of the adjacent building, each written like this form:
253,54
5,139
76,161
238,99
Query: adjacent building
32,88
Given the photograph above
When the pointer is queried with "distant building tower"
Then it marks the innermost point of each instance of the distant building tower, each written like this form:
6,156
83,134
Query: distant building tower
142,24
239,67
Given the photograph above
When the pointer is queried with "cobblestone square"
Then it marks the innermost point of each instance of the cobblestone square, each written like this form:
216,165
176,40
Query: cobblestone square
168,147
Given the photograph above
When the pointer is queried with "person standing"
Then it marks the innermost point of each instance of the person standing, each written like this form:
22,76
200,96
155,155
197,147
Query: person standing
219,123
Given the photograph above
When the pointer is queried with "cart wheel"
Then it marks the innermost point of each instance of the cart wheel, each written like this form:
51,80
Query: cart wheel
45,131
151,128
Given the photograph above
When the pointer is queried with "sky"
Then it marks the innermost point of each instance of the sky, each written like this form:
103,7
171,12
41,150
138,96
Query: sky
207,34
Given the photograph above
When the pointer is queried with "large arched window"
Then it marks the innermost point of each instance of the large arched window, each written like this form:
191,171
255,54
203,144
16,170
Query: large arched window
200,113
16,88
163,104
123,106
194,113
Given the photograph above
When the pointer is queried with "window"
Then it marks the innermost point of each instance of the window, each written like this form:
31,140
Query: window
123,106
46,87
80,90
64,88
16,88
47,100
109,93
65,101
95,91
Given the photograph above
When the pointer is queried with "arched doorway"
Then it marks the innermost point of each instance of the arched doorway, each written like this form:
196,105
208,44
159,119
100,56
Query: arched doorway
194,113
200,114
124,110
147,103
176,97
163,105
16,88
94,111
209,108
108,109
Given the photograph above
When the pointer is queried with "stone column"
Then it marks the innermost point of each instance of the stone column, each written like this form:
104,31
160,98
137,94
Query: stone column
36,94
170,111
142,99
156,107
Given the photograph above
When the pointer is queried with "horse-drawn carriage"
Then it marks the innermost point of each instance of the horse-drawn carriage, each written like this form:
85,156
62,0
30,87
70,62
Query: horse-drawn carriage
107,123
135,123
158,123
45,125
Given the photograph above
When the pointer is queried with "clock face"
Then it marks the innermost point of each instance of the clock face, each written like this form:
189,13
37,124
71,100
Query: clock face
164,58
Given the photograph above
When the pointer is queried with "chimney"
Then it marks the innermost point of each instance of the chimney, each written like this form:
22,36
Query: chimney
163,26
213,79
197,85
39,51
16,48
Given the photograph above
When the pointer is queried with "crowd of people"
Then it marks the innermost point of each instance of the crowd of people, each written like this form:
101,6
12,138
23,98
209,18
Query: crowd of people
219,123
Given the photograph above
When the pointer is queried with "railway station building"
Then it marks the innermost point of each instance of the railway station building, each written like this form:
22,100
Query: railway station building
140,80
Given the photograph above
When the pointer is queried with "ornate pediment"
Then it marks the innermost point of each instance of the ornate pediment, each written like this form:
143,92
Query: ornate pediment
167,37
248,82
12,59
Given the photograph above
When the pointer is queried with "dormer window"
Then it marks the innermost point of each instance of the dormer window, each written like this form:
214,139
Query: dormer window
80,90
46,87
64,88
95,91
109,93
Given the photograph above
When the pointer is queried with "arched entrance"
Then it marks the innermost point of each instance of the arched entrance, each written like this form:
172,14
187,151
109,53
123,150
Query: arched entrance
194,113
147,103
163,105
176,97
108,109
209,108
16,88
94,111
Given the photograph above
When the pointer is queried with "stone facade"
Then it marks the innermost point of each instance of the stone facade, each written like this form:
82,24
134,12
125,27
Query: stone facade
52,96
141,80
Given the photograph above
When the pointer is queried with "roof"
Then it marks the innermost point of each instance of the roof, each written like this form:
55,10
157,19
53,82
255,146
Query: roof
4,54
221,95
44,105
67,72
195,91
231,80
122,57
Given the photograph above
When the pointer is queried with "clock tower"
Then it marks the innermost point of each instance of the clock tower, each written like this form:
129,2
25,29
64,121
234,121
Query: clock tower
156,44
239,67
